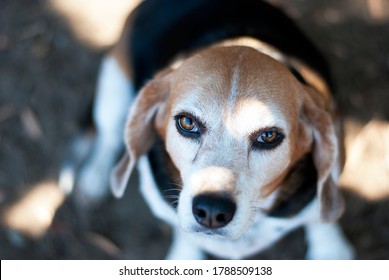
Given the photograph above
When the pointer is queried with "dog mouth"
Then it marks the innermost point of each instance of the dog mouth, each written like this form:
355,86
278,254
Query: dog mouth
212,233
225,233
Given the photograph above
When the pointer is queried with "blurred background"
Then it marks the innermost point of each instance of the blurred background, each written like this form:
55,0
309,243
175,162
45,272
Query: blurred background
49,58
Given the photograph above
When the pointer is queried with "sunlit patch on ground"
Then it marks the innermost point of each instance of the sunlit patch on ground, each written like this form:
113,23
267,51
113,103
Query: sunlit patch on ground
378,10
367,167
33,214
97,23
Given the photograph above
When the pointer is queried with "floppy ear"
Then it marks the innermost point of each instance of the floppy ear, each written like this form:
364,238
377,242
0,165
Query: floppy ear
325,156
140,129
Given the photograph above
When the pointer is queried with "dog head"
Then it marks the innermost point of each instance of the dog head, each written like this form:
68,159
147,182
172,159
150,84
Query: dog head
234,122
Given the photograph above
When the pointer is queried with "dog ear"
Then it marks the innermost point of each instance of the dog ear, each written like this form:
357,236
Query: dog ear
325,156
140,129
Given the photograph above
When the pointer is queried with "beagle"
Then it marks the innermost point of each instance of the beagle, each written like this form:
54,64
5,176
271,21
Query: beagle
233,128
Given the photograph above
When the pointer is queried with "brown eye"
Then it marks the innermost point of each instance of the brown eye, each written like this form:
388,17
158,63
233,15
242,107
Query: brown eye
187,124
268,137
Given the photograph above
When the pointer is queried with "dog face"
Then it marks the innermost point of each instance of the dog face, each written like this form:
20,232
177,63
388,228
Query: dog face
234,122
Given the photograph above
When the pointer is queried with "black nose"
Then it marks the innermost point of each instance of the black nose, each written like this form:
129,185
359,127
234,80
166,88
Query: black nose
213,210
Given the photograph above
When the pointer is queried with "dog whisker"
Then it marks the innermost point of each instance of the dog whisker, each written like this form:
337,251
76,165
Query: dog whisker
257,208
256,202
172,196
172,190
177,187
174,203
177,183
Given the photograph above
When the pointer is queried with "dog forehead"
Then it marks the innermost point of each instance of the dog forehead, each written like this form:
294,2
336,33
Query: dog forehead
235,81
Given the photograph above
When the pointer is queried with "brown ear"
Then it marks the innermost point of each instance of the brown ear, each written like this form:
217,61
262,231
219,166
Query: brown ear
140,129
326,157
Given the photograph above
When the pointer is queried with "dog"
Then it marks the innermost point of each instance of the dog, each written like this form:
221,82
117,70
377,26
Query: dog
231,124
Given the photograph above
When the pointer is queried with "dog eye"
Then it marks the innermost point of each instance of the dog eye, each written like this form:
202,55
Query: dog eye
188,126
268,139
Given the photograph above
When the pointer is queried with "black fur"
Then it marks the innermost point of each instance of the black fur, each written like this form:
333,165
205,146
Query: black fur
297,190
161,29
297,74
169,183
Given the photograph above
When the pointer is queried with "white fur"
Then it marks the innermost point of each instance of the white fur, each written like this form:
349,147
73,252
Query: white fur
113,98
234,89
184,247
150,192
325,241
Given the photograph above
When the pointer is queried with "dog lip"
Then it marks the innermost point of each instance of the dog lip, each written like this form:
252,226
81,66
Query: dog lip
203,230
210,232
215,233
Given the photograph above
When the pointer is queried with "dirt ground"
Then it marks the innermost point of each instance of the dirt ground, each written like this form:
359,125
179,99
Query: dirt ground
47,80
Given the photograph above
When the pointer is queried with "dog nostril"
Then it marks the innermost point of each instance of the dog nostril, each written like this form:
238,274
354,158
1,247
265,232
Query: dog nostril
213,210
200,213
221,218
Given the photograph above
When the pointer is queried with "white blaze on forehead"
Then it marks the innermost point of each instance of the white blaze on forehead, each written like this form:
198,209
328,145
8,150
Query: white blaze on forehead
251,115
234,89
